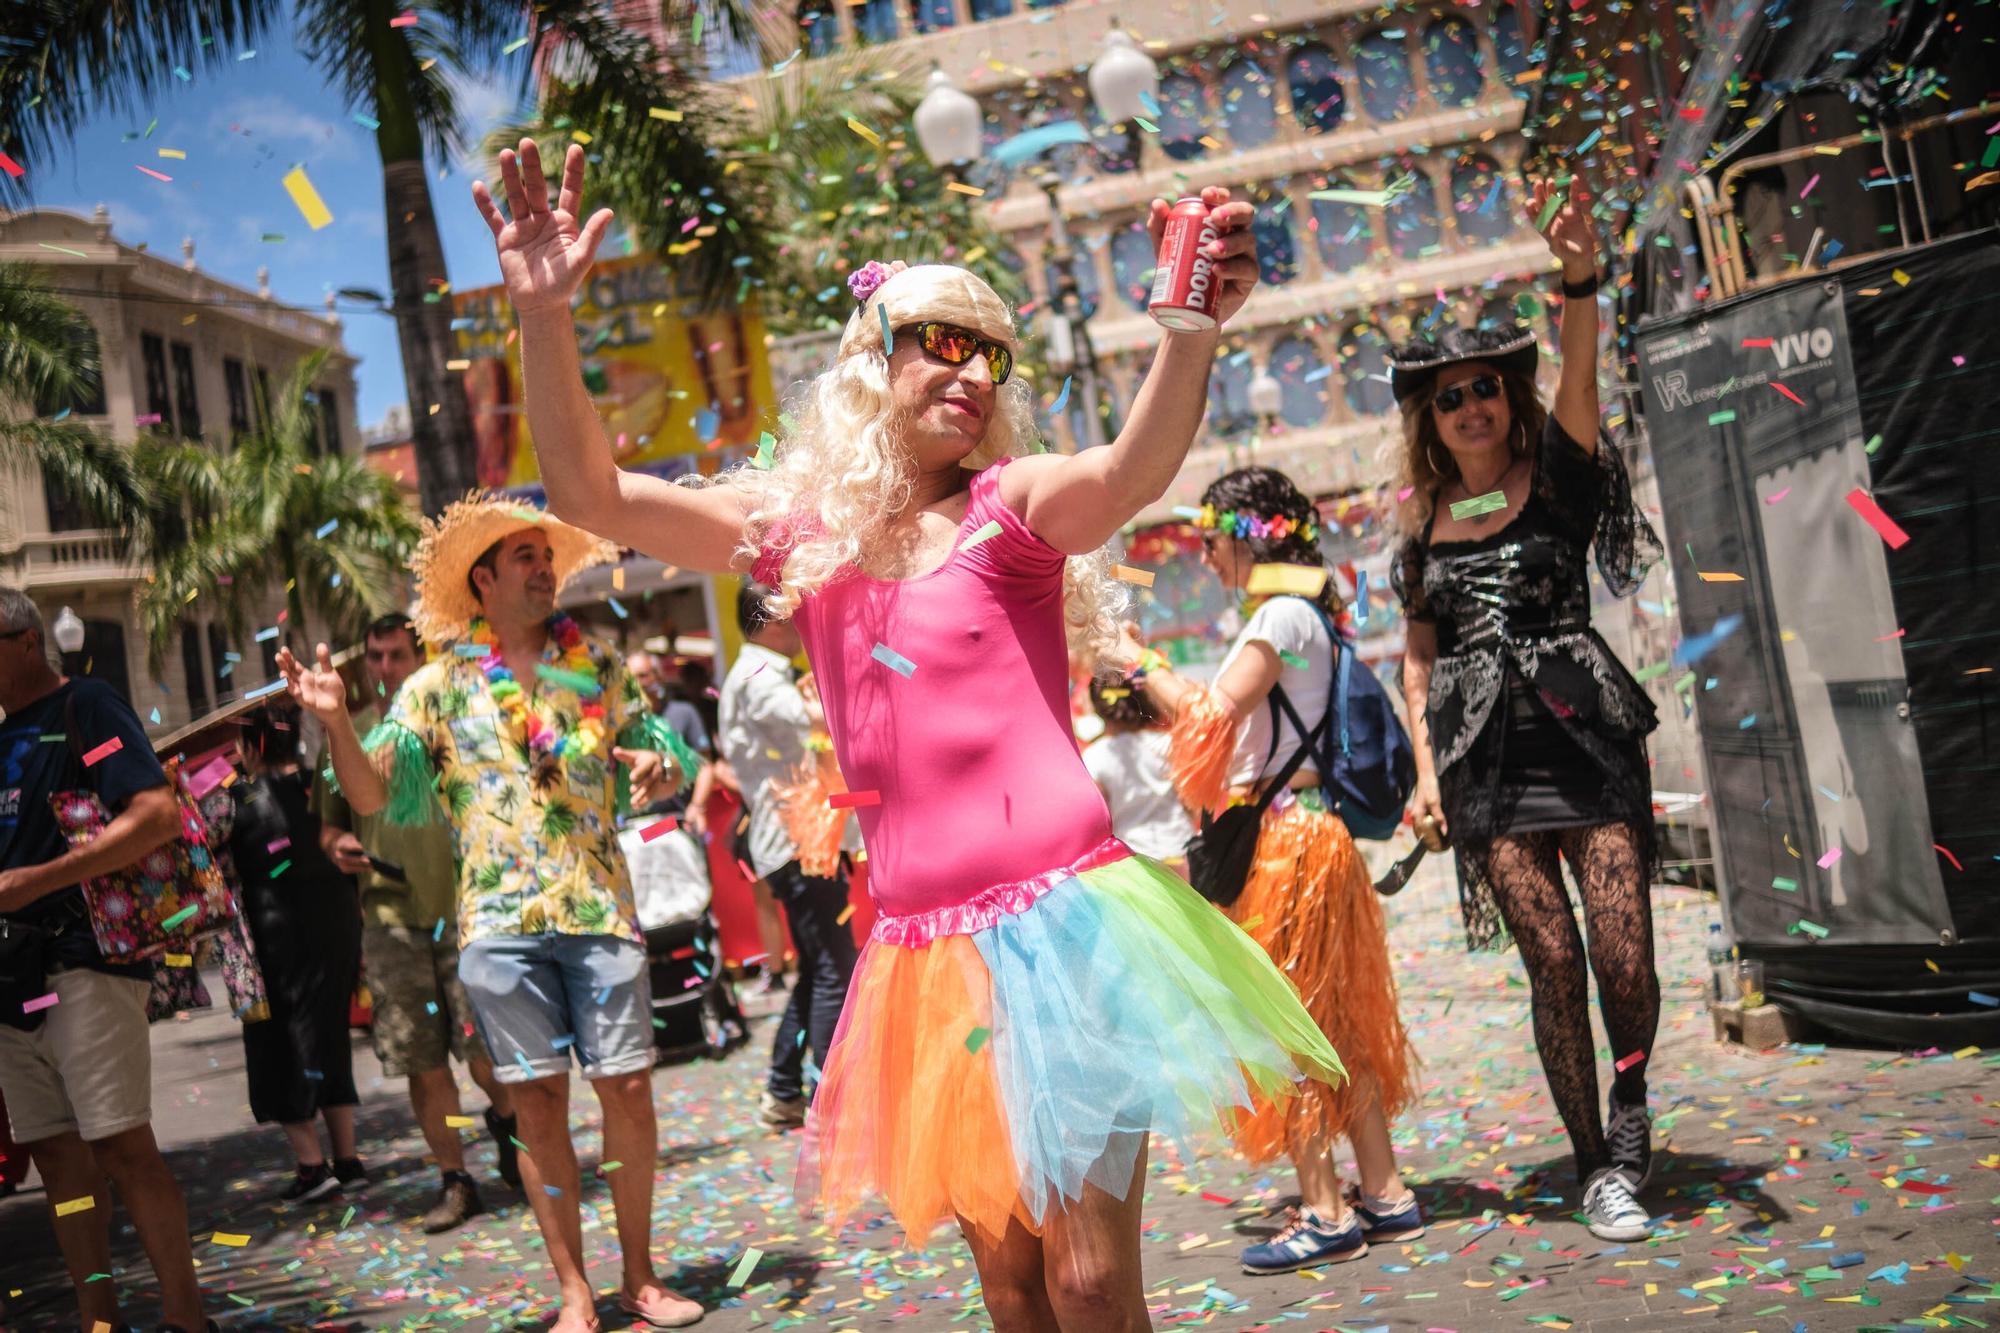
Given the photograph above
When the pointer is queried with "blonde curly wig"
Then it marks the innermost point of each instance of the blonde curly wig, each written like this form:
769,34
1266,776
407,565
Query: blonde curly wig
843,467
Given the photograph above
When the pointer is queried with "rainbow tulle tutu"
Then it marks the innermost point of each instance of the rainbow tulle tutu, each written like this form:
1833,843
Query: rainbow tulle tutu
995,1057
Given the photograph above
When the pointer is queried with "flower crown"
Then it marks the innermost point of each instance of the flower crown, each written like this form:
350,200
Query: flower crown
1238,523
865,281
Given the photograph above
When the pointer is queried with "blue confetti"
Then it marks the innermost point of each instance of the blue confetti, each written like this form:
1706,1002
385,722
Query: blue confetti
1698,646
618,608
1062,398
894,660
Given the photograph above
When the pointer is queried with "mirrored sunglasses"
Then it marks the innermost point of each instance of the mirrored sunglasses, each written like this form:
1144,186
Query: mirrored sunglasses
955,346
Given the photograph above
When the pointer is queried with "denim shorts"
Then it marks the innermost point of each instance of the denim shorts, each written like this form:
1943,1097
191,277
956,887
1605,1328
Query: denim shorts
540,1001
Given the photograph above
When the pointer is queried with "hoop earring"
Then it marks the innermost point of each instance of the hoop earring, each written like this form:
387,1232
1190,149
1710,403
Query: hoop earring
1430,456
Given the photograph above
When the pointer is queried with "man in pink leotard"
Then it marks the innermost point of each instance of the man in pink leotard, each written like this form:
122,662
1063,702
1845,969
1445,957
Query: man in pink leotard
1034,998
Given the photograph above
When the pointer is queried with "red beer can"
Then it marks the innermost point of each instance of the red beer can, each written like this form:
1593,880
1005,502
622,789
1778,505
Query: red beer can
1184,283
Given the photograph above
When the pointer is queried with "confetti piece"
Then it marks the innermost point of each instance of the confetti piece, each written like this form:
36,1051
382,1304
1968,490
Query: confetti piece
1776,496
1941,851
1062,399
1812,928
178,917
1292,659
1788,393
846,915
1491,502
306,198
1785,885
985,532
957,187
1832,855
70,1206
662,113
1720,577
976,1039
1548,212
744,1265
659,830
862,130
1871,513
1722,418
1366,198
583,682
156,175
263,691
1902,278
403,21
894,660
326,529
11,167
1980,997
1302,580
230,1238
853,800
40,1002
92,756
1126,574
1628,1061
177,959
459,1121
513,46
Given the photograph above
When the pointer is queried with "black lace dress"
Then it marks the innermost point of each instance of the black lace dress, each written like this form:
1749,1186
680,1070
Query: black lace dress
1533,723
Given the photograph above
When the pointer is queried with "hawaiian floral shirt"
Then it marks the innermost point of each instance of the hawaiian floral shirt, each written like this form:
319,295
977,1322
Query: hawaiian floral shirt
537,852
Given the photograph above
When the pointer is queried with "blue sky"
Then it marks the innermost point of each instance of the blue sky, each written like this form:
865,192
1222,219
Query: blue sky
243,127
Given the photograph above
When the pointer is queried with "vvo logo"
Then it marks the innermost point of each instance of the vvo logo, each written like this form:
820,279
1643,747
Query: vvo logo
1794,346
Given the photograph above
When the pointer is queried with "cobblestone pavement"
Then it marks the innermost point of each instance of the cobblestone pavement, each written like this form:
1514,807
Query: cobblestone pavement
1802,1188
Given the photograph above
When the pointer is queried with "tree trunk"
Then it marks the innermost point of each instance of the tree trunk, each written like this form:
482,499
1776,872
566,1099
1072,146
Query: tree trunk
445,449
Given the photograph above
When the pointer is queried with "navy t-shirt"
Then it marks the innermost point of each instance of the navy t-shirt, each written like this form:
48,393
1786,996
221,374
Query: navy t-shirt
37,759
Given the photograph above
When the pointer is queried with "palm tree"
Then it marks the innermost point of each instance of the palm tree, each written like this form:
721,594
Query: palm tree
809,197
62,59
330,530
48,365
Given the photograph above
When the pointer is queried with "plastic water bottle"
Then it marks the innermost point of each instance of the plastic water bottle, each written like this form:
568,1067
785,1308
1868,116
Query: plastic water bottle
1721,971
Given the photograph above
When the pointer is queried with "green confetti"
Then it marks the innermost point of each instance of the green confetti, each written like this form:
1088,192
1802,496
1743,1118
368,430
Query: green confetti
1549,211
976,1039
281,867
1292,659
346,1217
583,682
991,528
513,46
179,916
1786,885
1656,670
694,37
766,442
1812,928
1722,418
1875,442
744,1265
1479,504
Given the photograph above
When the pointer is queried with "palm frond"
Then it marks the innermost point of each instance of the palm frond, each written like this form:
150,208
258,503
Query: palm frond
48,349
61,61
371,63
92,469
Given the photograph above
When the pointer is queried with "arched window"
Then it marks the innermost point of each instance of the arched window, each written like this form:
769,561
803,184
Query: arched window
988,174
1413,217
1277,259
1115,148
1085,272
1132,264
874,21
1344,232
983,10
1071,160
1183,116
1364,364
1229,395
1246,103
1314,77
1516,58
1451,59
1479,200
1388,91
1296,365
931,15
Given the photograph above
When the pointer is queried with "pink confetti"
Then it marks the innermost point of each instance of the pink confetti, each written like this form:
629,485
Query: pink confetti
1788,393
1405,493
104,751
854,800
1871,513
277,844
156,175
150,419
39,1003
659,830
11,167
403,21
1776,496
1808,186
1629,1061
208,777
1958,361
1833,854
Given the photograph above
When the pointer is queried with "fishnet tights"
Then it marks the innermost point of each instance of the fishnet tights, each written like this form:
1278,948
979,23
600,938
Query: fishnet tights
1608,864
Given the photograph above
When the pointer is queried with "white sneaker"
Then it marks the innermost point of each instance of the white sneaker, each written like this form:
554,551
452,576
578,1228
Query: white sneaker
1610,1210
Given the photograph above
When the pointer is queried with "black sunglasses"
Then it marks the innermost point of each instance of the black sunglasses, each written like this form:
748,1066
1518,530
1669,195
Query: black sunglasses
955,346
1485,388
15,633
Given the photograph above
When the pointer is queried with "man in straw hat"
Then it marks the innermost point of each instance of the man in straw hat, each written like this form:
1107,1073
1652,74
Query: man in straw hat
1034,998
528,737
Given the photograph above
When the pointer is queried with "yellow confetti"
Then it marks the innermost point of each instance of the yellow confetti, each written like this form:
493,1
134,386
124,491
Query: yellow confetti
661,113
1301,580
460,1121
83,1205
177,959
957,188
1723,577
580,136
862,130
1127,574
1902,278
230,1238
300,187
177,154
1964,1051
845,913
1202,1239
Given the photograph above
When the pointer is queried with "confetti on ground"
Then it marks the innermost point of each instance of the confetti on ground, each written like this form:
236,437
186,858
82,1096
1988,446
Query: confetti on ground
749,1260
306,198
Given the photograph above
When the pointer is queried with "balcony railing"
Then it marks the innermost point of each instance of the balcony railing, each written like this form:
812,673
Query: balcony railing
83,556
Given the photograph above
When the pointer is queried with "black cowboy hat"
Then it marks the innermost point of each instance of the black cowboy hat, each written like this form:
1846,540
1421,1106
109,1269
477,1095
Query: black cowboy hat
1414,365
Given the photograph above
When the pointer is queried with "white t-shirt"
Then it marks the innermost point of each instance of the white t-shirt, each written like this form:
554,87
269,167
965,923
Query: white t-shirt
1138,785
1290,625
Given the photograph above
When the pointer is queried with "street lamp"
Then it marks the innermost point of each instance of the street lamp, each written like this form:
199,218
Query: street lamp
1267,399
68,631
948,123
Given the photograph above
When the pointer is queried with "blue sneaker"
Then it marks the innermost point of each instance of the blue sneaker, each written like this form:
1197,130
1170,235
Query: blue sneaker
1307,1241
1382,1228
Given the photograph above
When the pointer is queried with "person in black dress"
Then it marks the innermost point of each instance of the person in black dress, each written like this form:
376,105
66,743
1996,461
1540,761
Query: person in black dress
305,921
1530,735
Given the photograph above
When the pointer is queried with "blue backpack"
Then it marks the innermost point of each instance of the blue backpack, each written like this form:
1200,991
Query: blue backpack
1366,764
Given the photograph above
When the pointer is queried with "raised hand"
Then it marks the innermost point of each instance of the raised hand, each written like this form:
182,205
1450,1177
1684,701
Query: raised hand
317,688
544,254
1234,249
1571,233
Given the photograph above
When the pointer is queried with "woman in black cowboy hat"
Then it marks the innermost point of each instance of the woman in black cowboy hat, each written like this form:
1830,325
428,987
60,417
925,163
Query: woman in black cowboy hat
1530,735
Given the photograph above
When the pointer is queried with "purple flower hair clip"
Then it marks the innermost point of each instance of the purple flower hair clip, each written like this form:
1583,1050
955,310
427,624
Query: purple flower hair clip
865,281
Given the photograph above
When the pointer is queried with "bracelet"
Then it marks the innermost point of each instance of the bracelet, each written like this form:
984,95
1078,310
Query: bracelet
1574,290
1150,660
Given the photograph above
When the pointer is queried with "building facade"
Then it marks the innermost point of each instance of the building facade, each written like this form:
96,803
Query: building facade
184,353
1313,110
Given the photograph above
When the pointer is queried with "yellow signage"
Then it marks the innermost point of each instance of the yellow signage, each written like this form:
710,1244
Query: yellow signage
679,389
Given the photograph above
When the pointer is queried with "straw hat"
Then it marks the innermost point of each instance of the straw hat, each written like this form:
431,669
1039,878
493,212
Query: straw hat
460,535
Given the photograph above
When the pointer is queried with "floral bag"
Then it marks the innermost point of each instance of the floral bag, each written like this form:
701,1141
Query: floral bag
169,898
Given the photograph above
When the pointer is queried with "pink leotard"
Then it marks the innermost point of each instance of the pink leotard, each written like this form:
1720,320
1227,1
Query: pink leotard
980,779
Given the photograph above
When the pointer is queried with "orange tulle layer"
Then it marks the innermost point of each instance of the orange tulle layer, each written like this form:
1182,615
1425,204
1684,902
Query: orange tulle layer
1310,904
929,1168
1200,749
814,827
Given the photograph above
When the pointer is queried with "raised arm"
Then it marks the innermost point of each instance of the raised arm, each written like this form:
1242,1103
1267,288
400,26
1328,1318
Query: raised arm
544,257
1420,650
1572,239
1077,502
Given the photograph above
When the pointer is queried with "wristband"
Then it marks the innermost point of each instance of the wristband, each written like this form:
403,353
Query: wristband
1151,660
1577,290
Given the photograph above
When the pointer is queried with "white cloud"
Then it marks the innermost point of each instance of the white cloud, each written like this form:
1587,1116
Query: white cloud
285,127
